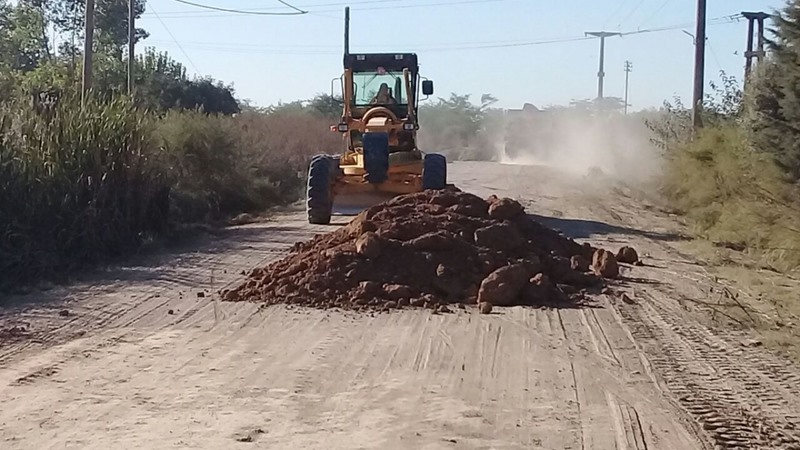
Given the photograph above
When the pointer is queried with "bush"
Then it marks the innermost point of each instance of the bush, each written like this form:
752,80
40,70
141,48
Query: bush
734,194
76,184
80,185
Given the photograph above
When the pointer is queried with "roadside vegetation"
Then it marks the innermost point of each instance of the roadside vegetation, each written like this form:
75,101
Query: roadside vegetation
738,179
80,185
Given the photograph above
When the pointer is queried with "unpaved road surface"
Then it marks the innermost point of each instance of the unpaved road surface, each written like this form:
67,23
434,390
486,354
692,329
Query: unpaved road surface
144,357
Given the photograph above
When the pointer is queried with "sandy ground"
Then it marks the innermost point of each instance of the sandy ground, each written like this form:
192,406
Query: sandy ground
144,357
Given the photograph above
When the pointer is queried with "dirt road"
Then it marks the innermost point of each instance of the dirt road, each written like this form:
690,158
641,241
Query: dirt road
143,357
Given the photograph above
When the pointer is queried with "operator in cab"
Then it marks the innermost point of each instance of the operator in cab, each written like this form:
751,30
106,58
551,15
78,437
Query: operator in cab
383,97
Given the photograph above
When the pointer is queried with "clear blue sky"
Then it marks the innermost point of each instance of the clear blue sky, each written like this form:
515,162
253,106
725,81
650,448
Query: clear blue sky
284,58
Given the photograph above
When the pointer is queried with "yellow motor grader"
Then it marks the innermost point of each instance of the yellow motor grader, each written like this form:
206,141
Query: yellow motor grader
379,131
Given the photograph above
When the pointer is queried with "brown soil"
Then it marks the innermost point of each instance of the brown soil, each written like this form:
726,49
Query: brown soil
428,250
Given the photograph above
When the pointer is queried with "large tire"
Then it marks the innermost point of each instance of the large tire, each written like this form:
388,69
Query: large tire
319,201
434,171
376,156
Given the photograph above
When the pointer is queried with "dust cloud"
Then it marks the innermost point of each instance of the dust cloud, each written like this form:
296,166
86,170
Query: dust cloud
579,143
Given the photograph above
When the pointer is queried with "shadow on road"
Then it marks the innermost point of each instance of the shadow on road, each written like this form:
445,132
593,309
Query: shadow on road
582,228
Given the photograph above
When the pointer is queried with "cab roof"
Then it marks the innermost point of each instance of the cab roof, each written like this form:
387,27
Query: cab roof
393,62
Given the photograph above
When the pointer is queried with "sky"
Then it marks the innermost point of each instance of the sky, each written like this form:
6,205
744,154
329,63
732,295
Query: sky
499,47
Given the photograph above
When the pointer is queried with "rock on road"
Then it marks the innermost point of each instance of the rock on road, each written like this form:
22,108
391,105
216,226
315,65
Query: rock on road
143,357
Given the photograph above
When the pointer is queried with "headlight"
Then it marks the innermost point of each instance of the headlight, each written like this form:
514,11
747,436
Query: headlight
342,127
408,126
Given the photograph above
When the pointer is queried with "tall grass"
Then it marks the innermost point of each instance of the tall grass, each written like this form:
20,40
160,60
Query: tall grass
76,184
736,195
80,185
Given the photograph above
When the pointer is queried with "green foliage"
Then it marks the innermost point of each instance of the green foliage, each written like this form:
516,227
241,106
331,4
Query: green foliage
79,185
208,181
76,184
774,103
672,126
23,43
27,65
734,194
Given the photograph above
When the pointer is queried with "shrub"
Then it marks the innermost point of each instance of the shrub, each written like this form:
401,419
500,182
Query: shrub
735,194
79,185
76,184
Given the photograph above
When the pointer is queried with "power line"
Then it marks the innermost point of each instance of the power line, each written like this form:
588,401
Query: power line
238,11
175,40
616,11
655,13
291,6
190,12
183,14
635,8
311,49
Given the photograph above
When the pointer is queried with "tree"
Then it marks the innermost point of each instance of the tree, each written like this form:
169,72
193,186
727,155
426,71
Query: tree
775,107
22,44
111,23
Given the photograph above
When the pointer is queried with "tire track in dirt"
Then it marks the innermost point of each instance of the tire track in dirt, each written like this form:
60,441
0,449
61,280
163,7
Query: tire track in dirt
111,304
772,393
703,384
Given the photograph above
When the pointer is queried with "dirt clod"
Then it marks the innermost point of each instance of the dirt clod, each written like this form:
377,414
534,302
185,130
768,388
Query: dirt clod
503,286
579,263
368,245
505,209
627,255
426,250
604,264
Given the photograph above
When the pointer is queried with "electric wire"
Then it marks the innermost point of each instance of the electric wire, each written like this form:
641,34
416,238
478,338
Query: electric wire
655,13
178,44
238,11
258,12
630,14
302,49
616,11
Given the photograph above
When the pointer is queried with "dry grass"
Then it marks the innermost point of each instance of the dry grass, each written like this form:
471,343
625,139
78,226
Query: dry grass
80,186
736,197
751,296
746,217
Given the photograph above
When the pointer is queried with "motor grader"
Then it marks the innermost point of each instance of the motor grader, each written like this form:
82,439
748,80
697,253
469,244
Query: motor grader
379,132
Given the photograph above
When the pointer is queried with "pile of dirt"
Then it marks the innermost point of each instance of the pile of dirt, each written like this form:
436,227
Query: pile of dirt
432,249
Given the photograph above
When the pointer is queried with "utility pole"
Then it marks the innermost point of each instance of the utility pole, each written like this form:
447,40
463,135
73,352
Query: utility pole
699,65
749,54
600,74
628,69
87,49
131,35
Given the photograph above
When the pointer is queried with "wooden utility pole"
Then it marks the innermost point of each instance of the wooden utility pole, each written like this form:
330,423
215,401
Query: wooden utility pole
749,54
600,73
87,49
699,65
628,69
131,35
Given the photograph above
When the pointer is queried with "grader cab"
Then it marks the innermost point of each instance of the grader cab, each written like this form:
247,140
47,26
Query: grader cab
380,96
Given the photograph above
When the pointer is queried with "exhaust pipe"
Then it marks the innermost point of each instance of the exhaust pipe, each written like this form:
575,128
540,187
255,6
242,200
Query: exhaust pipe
346,30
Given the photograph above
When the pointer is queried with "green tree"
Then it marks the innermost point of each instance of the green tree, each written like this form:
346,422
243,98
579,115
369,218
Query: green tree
22,44
774,112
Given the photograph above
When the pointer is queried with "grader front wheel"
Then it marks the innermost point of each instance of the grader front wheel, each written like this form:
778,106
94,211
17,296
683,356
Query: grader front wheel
434,171
319,199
